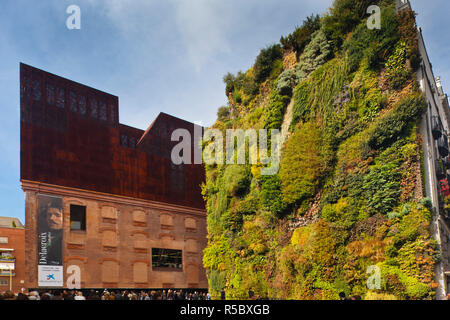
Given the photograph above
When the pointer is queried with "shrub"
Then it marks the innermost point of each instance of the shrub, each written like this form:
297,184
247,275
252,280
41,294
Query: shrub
230,83
236,179
316,53
343,213
273,117
265,62
373,45
390,127
407,30
271,199
396,71
302,105
285,82
223,113
381,187
301,36
303,163
343,17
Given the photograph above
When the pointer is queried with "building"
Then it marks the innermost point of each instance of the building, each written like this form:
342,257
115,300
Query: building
435,130
105,206
12,254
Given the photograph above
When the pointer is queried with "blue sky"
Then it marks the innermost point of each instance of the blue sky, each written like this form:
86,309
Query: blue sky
155,55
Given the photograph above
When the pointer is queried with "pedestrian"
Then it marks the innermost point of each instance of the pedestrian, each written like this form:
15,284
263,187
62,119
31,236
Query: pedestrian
79,296
251,294
342,296
222,294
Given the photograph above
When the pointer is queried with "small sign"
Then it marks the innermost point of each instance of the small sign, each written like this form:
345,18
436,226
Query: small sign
50,276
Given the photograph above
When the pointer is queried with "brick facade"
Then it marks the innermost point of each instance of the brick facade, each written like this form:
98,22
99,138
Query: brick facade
16,241
115,251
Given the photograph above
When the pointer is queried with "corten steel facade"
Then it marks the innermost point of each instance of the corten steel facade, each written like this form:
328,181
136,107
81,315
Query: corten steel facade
135,198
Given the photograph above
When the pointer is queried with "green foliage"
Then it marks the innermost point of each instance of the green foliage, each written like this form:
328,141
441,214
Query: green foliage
408,32
373,45
223,113
347,173
275,110
396,71
343,213
286,82
271,198
266,61
303,164
344,15
301,36
301,103
315,97
393,125
316,53
381,188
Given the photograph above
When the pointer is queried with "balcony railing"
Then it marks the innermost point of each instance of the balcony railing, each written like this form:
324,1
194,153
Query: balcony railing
6,273
5,259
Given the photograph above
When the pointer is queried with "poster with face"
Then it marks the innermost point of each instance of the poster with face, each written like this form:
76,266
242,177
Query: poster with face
50,231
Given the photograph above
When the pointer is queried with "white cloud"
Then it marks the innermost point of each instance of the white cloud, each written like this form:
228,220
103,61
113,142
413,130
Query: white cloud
203,26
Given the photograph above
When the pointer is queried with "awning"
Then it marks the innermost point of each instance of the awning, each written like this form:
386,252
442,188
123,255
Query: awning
6,249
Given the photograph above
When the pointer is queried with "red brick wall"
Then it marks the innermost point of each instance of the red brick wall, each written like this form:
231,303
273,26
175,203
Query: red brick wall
115,250
16,241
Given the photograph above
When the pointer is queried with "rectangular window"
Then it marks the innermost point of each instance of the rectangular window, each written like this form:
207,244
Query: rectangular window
73,101
103,110
50,93
94,108
167,259
4,240
82,105
3,282
77,217
60,97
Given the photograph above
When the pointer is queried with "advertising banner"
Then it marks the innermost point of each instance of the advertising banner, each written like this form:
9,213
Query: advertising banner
50,231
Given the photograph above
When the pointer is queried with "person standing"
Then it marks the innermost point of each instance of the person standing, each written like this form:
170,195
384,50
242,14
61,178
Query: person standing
222,294
251,294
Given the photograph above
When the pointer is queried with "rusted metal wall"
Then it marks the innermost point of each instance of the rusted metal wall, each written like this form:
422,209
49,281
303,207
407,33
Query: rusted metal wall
71,136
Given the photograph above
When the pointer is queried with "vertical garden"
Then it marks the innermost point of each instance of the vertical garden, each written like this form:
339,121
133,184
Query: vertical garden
348,196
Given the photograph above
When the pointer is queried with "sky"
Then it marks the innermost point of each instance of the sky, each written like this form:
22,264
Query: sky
155,55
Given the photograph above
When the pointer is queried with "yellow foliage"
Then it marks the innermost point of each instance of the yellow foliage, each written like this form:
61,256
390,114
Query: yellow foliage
369,248
300,236
372,295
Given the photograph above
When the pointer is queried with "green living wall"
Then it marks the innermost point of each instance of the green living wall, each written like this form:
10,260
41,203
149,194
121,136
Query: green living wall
347,198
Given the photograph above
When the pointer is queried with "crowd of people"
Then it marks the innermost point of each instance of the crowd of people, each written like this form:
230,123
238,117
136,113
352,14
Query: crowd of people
169,294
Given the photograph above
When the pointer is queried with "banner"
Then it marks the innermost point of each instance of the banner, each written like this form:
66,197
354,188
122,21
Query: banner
50,231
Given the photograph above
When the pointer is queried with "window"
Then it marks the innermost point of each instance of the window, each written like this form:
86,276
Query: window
94,108
124,140
50,93
36,90
73,101
4,240
103,111
60,98
112,115
167,259
3,282
77,217
82,105
132,143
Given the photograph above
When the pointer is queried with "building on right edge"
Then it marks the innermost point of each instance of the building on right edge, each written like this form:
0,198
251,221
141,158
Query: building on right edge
435,129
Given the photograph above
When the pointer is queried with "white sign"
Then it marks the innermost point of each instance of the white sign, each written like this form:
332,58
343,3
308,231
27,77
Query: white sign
50,276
